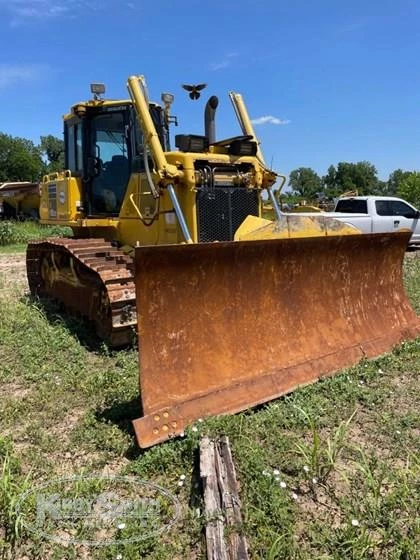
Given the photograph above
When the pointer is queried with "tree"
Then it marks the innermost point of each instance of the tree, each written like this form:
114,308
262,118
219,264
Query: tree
289,199
305,182
20,159
394,181
331,189
409,188
360,176
381,189
53,149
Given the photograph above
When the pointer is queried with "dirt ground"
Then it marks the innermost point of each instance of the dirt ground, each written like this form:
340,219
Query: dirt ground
13,274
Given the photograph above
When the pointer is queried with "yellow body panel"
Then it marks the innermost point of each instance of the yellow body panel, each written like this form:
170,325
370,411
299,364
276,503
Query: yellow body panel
61,204
133,230
61,199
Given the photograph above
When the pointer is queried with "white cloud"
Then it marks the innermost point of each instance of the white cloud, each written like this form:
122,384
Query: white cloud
25,11
220,65
227,61
22,10
269,119
11,74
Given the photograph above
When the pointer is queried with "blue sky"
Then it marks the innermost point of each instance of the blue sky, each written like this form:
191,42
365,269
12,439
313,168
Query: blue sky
340,79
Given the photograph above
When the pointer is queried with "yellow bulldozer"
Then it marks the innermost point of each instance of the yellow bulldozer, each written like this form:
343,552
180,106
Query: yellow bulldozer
231,310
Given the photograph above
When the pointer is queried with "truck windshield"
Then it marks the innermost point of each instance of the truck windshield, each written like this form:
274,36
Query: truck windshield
352,206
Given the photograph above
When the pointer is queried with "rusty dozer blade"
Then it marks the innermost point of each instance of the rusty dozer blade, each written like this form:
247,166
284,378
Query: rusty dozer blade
226,326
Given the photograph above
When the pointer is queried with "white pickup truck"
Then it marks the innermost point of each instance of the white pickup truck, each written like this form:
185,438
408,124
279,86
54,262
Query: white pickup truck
378,214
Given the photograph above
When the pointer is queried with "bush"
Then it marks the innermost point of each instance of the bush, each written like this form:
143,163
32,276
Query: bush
7,233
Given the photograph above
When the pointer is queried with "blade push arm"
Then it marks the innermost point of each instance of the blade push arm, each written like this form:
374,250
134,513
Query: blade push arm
136,88
244,120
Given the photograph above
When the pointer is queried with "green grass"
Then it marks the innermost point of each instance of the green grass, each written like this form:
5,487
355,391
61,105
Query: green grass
15,233
12,249
329,472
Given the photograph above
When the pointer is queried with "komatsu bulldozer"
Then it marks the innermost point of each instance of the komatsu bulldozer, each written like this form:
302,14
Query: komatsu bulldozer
231,310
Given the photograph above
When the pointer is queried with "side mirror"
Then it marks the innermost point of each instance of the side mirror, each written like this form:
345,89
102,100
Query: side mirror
414,215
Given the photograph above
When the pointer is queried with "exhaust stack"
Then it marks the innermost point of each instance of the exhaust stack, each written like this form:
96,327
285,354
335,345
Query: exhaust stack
209,119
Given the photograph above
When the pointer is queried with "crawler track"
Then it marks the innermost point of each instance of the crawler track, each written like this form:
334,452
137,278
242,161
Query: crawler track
91,278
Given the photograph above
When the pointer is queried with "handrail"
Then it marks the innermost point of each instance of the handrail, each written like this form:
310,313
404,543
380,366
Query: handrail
136,208
146,220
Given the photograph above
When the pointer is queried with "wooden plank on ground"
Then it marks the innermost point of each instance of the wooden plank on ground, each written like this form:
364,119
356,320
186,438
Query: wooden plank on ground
224,538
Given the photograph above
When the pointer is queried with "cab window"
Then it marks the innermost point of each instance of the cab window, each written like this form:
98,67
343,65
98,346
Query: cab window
74,150
352,206
70,148
394,208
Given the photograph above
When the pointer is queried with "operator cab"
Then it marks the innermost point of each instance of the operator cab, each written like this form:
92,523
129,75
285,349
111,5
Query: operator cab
104,145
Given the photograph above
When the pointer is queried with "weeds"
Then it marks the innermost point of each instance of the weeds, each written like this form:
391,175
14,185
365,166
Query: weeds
12,485
321,455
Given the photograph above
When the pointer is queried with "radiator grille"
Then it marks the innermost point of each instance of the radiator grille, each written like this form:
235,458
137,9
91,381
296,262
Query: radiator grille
220,211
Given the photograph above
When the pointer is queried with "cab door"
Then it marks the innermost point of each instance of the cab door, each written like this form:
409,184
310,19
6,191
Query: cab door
397,214
109,162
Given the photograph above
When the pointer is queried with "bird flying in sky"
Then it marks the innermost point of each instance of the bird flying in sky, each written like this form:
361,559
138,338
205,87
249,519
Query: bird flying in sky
194,91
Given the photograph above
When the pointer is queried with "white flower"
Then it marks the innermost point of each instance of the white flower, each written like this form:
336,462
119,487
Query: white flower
118,557
194,429
294,495
355,522
380,371
283,484
361,382
350,381
398,432
200,420
121,525
182,477
276,472
266,473
314,480
180,483
277,478
306,468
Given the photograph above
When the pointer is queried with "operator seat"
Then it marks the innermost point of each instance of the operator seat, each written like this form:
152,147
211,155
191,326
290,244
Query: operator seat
116,177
